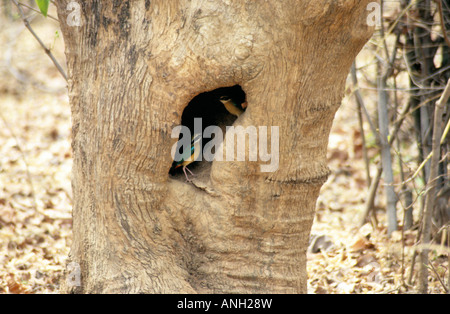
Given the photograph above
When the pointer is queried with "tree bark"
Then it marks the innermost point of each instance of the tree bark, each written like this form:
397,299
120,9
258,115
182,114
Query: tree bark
133,67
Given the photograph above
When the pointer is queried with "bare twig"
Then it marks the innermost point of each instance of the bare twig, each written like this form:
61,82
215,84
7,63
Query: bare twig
21,76
385,140
33,9
438,277
360,103
431,196
443,138
441,15
47,51
376,180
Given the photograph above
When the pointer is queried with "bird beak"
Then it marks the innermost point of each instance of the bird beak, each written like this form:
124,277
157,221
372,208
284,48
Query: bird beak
244,105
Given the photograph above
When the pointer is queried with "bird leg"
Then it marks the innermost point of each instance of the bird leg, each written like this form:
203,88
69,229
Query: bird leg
184,170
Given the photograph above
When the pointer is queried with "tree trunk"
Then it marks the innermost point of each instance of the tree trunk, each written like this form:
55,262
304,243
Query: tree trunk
133,68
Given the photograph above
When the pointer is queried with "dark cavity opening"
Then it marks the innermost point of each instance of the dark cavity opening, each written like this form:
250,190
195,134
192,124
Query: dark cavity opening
220,107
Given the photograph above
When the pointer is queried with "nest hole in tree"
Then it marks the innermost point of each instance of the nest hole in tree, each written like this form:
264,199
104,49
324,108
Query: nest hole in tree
211,108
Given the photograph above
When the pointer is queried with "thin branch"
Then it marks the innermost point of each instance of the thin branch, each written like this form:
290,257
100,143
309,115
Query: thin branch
360,103
33,9
376,180
438,277
443,138
444,30
431,197
47,51
19,75
412,89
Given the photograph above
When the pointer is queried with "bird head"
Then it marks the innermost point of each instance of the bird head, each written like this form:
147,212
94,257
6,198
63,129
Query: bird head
225,99
232,106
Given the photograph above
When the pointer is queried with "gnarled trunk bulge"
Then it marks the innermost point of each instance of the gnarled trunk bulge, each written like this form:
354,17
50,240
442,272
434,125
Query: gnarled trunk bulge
134,66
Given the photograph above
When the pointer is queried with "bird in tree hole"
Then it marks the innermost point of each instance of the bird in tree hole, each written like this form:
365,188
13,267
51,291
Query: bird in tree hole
189,156
184,159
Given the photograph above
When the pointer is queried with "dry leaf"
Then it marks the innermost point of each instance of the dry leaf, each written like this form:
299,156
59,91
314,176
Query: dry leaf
15,287
366,259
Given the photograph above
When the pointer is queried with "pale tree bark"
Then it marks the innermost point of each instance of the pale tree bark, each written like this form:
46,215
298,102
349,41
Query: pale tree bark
133,67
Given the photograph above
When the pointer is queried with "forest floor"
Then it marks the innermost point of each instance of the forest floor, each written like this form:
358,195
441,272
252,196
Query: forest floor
36,197
355,258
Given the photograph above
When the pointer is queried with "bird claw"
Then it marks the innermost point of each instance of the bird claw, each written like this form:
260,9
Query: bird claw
187,178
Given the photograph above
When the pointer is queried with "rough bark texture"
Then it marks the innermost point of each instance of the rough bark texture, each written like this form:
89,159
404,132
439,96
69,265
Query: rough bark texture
133,67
